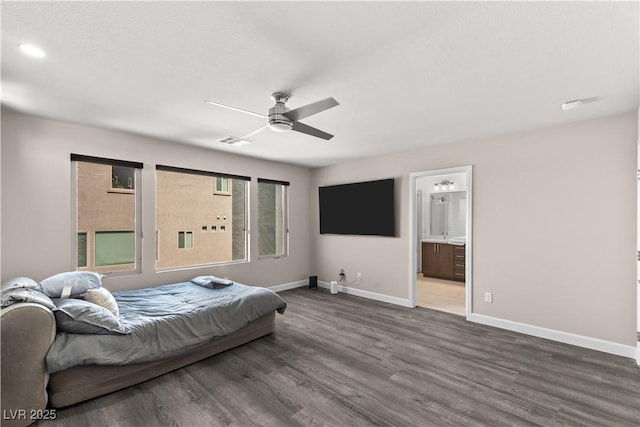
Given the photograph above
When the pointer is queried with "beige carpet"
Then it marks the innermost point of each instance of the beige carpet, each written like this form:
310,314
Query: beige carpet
443,295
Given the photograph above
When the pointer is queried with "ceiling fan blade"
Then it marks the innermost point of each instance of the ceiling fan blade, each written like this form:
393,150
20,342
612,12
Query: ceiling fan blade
237,109
309,130
254,132
311,109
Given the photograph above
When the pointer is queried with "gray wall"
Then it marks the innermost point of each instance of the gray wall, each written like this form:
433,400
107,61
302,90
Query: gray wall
554,226
554,217
36,200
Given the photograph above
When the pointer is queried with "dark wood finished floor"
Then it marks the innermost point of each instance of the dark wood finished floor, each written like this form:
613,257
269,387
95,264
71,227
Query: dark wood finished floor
340,360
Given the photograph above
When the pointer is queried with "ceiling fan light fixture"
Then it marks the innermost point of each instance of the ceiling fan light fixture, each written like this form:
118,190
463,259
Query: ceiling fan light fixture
282,119
280,126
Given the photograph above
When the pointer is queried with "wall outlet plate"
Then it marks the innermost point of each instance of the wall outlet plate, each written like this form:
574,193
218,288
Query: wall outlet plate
488,297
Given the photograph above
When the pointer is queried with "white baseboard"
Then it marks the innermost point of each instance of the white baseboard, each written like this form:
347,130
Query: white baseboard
367,294
632,352
551,334
290,285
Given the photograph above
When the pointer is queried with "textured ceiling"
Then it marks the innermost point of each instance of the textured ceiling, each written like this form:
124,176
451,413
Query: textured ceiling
407,75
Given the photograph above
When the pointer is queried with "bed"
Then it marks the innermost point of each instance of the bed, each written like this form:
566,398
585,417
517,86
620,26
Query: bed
159,329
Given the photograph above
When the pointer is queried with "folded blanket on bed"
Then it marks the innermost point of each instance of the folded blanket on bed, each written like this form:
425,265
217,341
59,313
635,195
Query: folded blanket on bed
211,282
16,294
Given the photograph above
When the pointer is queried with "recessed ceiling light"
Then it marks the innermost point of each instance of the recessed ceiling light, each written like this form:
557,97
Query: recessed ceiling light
31,50
570,105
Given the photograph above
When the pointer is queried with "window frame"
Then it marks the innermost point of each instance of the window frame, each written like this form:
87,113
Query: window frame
285,220
185,240
245,180
137,183
123,189
224,181
86,249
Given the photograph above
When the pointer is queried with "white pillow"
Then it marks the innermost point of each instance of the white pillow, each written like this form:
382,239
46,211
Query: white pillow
103,298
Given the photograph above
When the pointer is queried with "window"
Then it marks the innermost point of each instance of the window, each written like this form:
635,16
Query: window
122,177
115,248
185,201
82,250
222,186
107,216
185,240
273,228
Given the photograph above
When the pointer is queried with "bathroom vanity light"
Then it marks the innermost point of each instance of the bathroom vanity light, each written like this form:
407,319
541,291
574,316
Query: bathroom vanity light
443,186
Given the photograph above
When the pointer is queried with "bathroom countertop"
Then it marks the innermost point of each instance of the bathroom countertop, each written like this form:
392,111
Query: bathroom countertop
441,240
435,240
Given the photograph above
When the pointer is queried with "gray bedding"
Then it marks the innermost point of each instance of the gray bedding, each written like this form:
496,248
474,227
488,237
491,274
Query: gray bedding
165,321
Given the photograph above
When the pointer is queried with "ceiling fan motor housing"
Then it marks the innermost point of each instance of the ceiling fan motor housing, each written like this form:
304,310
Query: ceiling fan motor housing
277,121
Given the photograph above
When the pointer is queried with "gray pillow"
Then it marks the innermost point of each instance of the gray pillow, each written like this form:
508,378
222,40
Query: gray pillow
21,282
80,282
77,316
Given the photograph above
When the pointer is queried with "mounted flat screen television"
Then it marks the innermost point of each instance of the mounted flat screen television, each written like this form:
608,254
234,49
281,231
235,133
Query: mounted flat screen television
361,208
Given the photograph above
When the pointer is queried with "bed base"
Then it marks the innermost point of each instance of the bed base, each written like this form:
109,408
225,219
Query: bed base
81,383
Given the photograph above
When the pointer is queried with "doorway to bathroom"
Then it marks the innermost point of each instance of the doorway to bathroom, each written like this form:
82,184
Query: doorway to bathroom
440,223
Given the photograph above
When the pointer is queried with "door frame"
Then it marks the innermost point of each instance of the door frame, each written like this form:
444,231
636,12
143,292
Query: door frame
638,247
413,232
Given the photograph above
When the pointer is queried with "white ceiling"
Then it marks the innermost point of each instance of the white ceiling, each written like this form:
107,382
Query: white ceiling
407,75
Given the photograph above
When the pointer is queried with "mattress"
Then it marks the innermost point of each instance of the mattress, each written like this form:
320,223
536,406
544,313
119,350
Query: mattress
163,322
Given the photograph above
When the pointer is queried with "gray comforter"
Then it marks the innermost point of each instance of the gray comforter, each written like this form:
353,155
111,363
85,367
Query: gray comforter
165,321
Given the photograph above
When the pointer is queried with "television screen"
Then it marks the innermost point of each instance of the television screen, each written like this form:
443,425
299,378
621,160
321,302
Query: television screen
361,208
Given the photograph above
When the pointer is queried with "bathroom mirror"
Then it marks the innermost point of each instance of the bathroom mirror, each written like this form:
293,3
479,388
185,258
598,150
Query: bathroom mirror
448,214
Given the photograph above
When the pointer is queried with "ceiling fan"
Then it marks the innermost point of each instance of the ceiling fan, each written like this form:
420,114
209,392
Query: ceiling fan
281,119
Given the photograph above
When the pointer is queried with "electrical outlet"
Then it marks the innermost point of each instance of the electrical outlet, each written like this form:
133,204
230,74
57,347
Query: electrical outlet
358,275
488,297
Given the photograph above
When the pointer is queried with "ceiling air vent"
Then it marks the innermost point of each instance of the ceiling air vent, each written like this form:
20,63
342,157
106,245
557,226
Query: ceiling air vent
232,140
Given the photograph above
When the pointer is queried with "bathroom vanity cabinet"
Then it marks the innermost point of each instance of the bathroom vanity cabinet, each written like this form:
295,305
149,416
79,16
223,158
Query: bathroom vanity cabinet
443,260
